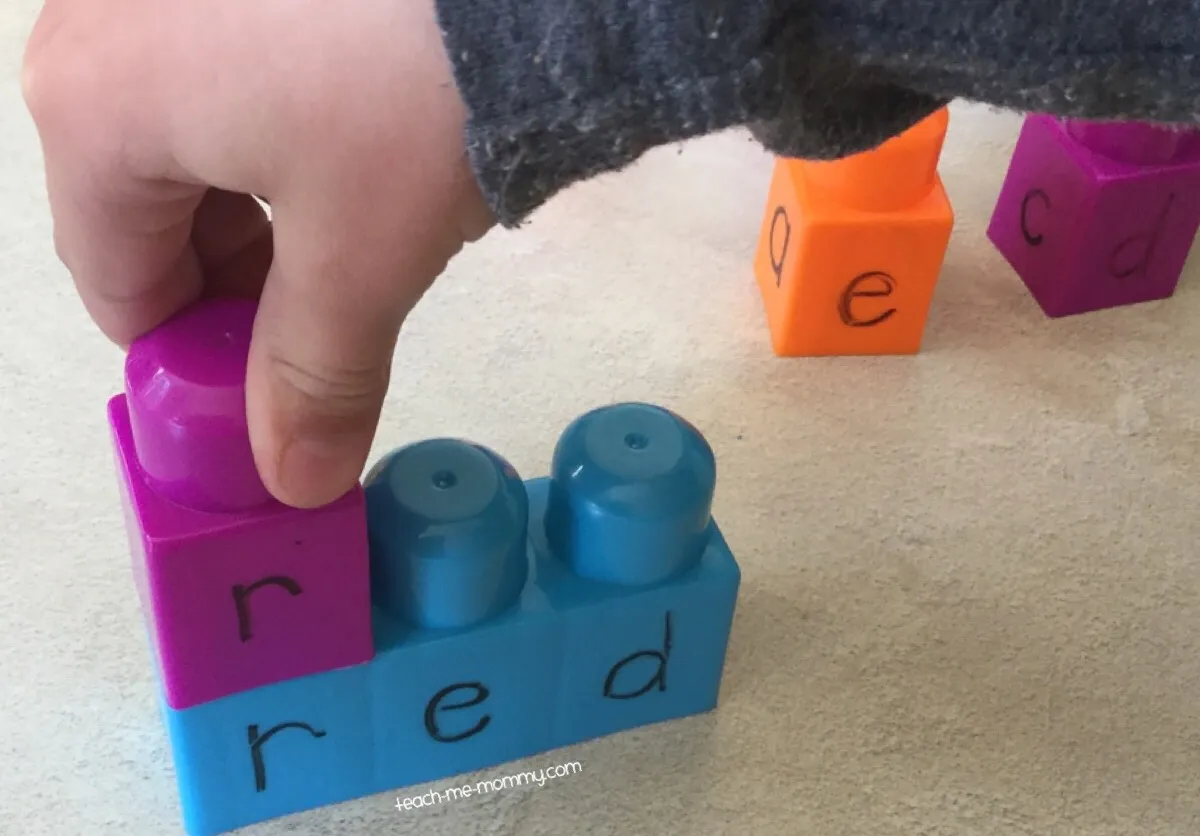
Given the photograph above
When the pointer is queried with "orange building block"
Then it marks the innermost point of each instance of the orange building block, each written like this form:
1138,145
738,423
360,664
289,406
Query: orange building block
851,250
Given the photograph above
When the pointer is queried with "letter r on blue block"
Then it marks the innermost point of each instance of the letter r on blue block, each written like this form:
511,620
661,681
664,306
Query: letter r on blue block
274,750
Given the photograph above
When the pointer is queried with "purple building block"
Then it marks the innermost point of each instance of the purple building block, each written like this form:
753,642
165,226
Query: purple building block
238,590
1095,215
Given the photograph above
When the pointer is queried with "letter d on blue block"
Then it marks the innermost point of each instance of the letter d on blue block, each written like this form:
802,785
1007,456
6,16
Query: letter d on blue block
295,745
468,652
628,552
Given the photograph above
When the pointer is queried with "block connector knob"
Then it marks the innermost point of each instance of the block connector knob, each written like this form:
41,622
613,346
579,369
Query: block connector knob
185,384
631,495
448,523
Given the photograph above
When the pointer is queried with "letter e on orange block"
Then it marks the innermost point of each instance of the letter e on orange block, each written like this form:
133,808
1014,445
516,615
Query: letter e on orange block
850,250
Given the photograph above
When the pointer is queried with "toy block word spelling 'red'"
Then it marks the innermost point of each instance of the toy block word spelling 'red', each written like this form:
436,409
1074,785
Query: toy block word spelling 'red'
448,617
1095,215
850,250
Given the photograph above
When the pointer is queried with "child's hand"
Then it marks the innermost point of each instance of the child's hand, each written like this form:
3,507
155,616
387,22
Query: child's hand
159,118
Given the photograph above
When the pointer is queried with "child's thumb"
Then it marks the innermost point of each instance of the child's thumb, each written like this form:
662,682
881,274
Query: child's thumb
320,359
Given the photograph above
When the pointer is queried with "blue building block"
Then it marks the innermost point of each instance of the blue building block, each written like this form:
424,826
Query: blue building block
468,651
628,554
640,656
445,704
271,751
510,618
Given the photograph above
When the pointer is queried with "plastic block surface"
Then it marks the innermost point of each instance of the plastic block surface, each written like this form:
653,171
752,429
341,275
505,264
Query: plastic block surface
615,546
629,555
238,590
504,617
851,250
272,751
1098,215
468,651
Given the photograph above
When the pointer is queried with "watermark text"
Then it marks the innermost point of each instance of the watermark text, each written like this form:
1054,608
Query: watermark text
521,779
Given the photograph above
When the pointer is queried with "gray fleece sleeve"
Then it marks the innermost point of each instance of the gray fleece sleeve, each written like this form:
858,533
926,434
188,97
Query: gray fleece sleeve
560,90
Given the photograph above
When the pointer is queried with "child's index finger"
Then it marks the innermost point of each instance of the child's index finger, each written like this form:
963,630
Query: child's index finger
127,244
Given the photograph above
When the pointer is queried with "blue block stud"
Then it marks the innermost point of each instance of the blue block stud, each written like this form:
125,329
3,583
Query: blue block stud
509,618
447,524
630,495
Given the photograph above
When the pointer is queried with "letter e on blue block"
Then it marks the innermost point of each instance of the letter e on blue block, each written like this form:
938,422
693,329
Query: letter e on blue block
468,651
627,553
296,745
450,703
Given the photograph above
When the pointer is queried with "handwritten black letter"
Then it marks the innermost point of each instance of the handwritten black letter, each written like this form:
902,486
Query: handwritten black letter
1032,238
877,285
241,600
434,705
256,744
1121,253
660,673
777,262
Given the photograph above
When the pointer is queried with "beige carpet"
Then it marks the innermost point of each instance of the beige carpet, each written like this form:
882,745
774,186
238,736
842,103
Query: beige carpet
971,600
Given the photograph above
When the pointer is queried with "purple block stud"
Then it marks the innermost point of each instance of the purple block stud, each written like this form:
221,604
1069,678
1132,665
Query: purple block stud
1096,215
238,590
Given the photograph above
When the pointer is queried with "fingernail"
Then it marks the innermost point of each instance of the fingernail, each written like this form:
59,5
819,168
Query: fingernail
316,470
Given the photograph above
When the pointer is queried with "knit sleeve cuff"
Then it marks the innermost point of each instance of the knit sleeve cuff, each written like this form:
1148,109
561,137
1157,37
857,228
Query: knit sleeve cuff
558,91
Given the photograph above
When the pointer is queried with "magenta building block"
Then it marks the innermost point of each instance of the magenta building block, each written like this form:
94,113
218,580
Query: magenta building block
238,590
1095,215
